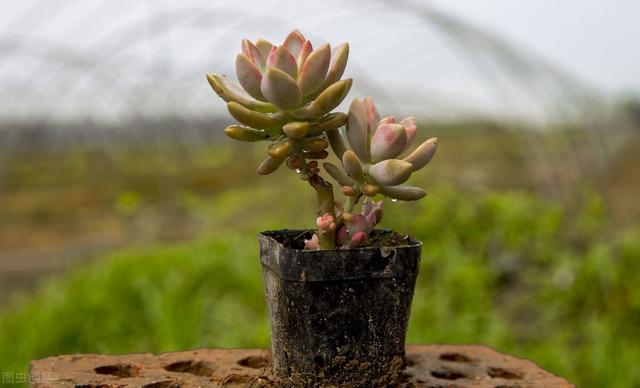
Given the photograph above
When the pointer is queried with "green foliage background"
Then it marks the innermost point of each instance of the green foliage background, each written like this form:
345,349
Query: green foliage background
504,268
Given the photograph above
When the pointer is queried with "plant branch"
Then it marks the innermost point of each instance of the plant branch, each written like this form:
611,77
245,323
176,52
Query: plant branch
326,204
351,202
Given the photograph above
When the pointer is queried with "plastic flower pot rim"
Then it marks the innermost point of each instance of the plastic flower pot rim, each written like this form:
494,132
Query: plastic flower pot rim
335,264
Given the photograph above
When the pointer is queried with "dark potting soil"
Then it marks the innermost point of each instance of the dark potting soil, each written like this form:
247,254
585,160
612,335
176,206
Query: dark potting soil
379,238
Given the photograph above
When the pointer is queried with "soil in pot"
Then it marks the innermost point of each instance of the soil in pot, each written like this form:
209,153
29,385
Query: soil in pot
339,316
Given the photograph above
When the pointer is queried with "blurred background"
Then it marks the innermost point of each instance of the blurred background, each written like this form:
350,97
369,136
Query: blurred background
128,220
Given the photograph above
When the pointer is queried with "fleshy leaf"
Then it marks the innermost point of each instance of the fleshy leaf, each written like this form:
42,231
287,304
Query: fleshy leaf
388,141
254,119
391,172
281,59
315,69
328,123
410,126
280,150
373,117
357,129
358,239
403,193
229,91
337,142
338,175
342,236
249,76
280,89
264,46
305,51
326,101
241,133
326,222
357,223
315,144
372,211
316,154
293,42
349,191
313,244
269,165
338,64
253,53
423,154
352,165
370,190
296,129
387,120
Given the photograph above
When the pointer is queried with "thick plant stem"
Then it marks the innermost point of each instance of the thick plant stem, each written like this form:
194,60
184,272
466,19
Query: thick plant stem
351,202
326,204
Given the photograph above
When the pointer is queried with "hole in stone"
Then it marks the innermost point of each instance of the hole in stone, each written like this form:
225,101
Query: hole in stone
255,362
319,361
163,384
508,386
237,379
504,373
198,368
454,357
120,370
448,374
93,386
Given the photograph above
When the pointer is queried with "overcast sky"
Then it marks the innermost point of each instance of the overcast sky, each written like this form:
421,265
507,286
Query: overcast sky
597,40
101,56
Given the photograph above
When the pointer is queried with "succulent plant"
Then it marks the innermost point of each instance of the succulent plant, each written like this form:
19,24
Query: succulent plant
371,164
355,228
285,95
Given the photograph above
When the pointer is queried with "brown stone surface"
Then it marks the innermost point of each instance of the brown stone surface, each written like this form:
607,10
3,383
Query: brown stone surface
429,366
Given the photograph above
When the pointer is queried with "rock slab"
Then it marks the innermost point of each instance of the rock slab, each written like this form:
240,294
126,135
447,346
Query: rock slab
429,366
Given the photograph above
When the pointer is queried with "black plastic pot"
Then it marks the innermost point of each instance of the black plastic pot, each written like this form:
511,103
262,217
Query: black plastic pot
338,316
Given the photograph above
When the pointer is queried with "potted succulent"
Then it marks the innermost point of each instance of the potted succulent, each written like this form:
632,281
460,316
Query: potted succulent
338,296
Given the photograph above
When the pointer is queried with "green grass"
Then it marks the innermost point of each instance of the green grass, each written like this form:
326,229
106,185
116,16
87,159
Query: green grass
506,269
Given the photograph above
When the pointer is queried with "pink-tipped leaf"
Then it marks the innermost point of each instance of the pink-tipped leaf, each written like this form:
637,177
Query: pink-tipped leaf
281,59
249,76
410,126
253,54
313,244
305,51
280,89
387,120
357,223
359,239
293,42
388,141
315,69
339,58
372,115
264,46
357,129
